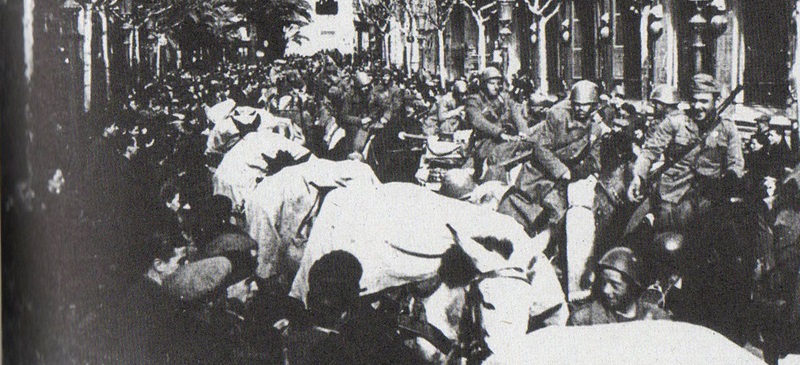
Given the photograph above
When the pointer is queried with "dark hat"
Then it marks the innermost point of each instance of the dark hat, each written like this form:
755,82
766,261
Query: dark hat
763,118
230,242
198,279
215,209
704,83
336,270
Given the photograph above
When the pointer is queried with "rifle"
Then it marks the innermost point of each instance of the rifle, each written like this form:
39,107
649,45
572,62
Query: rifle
655,175
645,206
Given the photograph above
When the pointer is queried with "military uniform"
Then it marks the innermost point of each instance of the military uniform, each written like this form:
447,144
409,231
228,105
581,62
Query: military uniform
719,153
595,313
562,144
490,118
444,116
376,104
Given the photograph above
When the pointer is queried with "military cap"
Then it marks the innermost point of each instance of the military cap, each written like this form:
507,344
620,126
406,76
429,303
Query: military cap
230,242
704,83
490,73
623,260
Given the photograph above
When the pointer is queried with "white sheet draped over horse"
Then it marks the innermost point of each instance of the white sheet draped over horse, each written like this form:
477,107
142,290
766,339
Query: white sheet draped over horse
643,342
398,232
280,211
240,168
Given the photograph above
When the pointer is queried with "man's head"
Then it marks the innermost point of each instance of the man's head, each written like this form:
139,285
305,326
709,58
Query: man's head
491,81
333,285
163,254
775,136
619,272
584,99
762,124
664,98
704,97
362,81
460,90
386,77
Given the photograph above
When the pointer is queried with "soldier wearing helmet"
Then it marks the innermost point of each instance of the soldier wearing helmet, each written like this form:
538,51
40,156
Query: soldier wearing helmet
665,102
702,154
447,115
361,109
567,146
617,293
491,115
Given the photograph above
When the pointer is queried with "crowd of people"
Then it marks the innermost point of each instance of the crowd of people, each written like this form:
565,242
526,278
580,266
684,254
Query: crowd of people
193,295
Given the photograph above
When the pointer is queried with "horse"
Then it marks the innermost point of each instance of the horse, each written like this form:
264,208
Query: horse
280,211
250,159
638,342
402,233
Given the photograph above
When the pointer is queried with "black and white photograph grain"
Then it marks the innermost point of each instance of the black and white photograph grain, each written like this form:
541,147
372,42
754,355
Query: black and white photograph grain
400,182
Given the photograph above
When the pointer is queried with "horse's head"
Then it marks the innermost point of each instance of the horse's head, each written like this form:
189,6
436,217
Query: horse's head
514,279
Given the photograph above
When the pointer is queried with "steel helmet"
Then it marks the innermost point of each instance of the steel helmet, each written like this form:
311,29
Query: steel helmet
584,91
665,94
490,73
362,79
456,183
623,260
460,87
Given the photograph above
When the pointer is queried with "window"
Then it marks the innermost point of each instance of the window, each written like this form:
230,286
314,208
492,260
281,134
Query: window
327,7
765,27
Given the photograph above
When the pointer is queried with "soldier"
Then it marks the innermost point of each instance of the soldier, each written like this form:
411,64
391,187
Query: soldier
566,147
359,110
701,151
704,164
448,113
492,117
618,294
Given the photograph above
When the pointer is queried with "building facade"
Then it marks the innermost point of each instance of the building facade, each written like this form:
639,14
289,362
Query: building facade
632,45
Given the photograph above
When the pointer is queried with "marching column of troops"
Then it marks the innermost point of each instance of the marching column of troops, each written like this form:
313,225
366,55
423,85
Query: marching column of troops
702,244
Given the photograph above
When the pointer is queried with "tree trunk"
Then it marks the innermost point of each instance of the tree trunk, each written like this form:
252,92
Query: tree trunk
136,47
158,59
27,36
25,172
544,83
644,35
796,68
440,41
409,46
106,60
130,48
386,48
87,56
481,45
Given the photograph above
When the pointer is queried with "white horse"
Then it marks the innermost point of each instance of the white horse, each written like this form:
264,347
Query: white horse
246,162
642,342
399,232
280,211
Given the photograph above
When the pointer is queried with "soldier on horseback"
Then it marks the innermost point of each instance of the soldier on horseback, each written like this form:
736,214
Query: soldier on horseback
701,151
489,112
693,196
566,147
